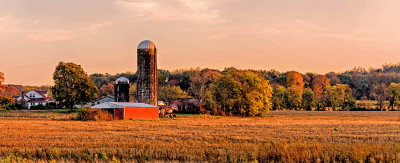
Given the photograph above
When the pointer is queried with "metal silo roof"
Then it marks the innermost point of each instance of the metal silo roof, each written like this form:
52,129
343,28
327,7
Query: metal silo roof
122,80
147,44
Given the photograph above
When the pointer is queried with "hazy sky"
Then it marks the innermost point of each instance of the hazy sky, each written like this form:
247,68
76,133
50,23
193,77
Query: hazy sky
102,35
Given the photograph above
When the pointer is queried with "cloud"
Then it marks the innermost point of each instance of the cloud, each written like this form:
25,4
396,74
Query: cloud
194,11
8,23
51,35
34,30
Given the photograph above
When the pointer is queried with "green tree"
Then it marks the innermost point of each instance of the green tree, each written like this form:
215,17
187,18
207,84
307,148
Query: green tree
168,93
279,99
163,76
394,95
185,81
307,102
243,93
338,95
72,85
98,79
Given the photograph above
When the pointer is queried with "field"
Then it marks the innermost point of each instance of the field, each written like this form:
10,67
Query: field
283,136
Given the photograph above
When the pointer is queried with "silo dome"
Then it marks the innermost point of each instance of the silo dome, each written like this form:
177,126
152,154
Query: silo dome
122,80
146,44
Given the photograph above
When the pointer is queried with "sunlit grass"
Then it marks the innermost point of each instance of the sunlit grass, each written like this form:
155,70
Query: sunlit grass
281,137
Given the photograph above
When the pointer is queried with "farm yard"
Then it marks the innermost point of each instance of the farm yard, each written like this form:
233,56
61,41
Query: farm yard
282,136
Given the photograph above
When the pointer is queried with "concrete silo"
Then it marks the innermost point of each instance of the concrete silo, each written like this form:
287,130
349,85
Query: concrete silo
122,90
147,73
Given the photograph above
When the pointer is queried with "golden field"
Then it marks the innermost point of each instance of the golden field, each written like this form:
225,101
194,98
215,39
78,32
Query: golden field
283,136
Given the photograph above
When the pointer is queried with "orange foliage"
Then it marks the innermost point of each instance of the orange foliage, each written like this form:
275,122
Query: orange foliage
10,91
319,83
295,79
107,89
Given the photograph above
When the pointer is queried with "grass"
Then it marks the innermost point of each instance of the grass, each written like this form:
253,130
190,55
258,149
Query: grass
285,136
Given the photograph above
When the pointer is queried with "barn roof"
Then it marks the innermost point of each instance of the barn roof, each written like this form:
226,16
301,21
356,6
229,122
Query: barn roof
109,105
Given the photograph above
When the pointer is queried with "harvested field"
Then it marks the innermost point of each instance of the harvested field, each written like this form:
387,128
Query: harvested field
283,137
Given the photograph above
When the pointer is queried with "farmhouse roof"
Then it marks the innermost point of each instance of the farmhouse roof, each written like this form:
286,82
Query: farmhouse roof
113,105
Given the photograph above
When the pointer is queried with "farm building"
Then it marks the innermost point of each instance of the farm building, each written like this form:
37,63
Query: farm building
130,111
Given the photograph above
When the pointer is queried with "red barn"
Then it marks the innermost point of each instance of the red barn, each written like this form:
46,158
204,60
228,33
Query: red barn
130,111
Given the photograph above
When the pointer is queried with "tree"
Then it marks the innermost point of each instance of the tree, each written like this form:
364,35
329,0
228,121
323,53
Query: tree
168,93
308,78
106,90
201,80
295,87
98,79
1,80
279,99
308,96
9,91
4,100
319,84
185,81
379,92
72,85
394,91
338,95
333,78
243,93
163,76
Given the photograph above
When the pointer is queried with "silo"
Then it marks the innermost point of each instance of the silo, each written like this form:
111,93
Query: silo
147,73
122,90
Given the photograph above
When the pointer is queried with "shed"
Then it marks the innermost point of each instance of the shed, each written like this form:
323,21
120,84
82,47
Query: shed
130,111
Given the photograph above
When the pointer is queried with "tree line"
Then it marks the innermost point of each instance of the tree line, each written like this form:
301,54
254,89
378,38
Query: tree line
244,92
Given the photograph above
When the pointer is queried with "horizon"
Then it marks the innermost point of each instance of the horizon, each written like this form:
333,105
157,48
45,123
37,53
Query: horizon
305,36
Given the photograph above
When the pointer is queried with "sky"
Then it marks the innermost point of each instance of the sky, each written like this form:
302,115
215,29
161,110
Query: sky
102,35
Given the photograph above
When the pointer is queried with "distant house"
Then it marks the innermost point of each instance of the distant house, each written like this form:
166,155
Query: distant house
33,98
104,99
101,100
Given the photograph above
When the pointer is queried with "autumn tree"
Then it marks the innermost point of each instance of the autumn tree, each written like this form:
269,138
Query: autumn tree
394,95
333,78
168,93
279,99
295,87
200,81
319,84
9,91
338,95
308,78
308,96
72,85
107,90
4,100
379,93
98,79
1,80
243,93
